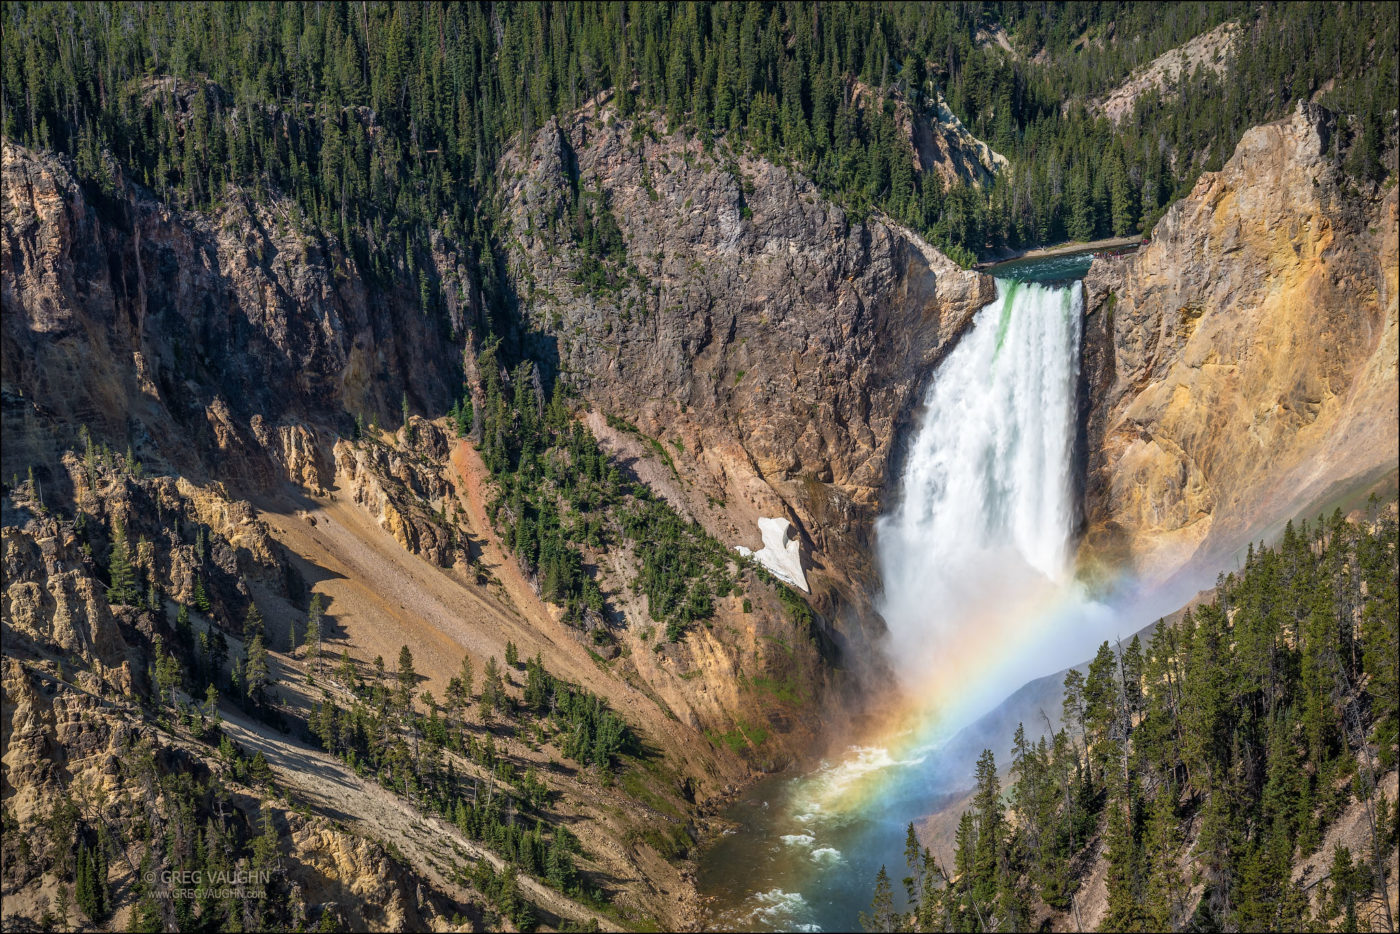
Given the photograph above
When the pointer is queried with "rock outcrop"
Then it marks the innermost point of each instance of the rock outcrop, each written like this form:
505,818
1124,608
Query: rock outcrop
207,341
1242,366
941,145
750,323
1210,51
403,489
53,599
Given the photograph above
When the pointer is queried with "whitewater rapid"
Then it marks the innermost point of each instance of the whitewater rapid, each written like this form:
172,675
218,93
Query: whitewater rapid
985,516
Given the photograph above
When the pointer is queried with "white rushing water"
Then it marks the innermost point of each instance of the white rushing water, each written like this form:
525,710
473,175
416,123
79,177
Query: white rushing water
985,516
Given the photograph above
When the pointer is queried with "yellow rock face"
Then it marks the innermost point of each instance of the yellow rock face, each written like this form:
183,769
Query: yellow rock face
1246,367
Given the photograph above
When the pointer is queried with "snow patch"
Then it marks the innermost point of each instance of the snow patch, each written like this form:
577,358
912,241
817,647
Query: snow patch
779,554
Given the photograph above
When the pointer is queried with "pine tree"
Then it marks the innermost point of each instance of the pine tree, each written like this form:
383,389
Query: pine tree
464,416
882,915
1125,902
467,676
256,674
493,692
313,631
345,672
407,679
121,573
1166,886
82,884
184,632
167,672
914,881
201,597
990,842
90,888
253,623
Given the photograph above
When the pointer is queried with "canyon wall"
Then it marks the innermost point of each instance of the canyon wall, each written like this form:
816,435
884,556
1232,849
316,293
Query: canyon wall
1242,366
772,343
209,342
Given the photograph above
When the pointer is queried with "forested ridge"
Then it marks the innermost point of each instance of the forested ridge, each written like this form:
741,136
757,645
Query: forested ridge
384,121
559,495
1203,765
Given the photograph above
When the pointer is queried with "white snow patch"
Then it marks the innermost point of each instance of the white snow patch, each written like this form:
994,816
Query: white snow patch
779,554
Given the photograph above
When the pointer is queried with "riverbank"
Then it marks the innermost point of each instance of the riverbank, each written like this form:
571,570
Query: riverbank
1060,249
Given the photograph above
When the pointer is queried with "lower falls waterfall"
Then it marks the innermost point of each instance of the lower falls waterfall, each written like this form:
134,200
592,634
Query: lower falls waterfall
985,511
975,556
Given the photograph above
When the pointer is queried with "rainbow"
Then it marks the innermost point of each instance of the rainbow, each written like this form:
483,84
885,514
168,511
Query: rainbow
978,662
826,831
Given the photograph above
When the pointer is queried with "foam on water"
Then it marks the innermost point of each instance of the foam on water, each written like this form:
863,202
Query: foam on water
798,839
781,910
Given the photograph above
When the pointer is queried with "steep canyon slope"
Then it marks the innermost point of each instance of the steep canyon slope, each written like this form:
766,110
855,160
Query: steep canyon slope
1242,366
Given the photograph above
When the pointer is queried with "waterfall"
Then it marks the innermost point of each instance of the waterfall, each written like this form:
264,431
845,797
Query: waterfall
985,516
979,596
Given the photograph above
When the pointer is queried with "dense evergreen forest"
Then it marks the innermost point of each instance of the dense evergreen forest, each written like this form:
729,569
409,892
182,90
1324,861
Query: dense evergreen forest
1205,763
384,121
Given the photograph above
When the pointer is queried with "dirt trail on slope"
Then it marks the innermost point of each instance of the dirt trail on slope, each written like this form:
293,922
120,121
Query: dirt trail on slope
429,843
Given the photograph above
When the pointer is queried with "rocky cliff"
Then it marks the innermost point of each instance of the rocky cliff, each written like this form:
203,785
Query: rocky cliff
1242,367
210,343
1209,52
772,344
939,143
